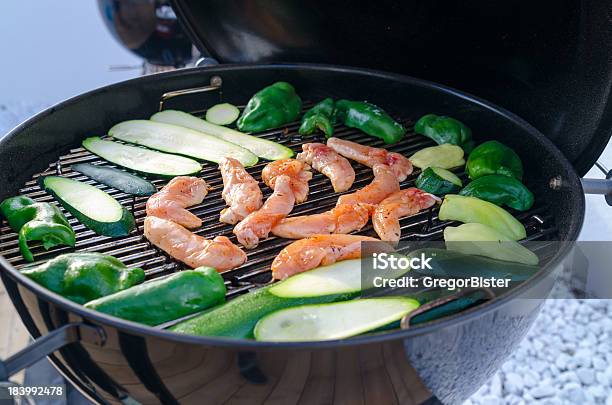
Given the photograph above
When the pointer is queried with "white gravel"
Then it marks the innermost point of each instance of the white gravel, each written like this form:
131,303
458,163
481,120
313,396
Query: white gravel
565,359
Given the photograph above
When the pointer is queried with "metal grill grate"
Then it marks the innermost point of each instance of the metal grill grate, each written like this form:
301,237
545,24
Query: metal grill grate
134,250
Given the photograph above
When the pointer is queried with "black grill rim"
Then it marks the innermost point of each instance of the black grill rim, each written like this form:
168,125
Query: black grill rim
458,319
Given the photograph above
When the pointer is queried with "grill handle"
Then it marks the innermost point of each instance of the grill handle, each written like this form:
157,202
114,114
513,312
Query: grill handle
215,84
600,186
44,346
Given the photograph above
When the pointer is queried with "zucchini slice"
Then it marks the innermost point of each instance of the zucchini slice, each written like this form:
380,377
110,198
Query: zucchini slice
94,208
445,156
333,321
482,240
222,114
180,140
263,148
142,160
237,318
436,180
126,182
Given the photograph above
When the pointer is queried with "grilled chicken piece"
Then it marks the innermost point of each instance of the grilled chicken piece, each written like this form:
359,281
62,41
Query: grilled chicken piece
324,159
170,202
369,156
192,249
400,204
320,250
240,191
298,172
257,225
384,184
342,219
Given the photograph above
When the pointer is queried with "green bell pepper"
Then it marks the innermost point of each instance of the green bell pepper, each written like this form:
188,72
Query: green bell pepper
370,119
163,300
444,129
36,221
470,209
271,107
493,157
322,116
82,277
500,190
453,264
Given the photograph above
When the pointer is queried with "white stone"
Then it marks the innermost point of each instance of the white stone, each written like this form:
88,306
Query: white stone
586,376
562,361
491,400
583,357
597,391
539,366
575,395
599,363
530,378
508,366
552,401
568,376
602,378
495,386
513,383
542,391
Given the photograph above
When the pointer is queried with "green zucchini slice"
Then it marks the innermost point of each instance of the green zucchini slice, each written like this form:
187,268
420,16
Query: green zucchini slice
237,318
222,114
180,140
142,160
333,321
94,208
126,182
436,180
263,148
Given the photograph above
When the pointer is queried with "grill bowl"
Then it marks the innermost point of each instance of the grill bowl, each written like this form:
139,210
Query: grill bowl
450,358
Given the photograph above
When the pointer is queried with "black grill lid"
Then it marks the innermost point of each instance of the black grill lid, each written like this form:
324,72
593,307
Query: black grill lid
548,61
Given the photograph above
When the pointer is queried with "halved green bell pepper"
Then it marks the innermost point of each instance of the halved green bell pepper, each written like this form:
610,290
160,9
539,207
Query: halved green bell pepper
270,108
493,157
82,277
322,116
471,209
444,129
371,119
500,190
36,221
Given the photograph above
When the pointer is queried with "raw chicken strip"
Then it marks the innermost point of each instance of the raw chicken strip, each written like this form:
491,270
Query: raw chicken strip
324,159
320,250
298,172
403,203
344,218
192,249
369,156
258,224
384,184
170,202
240,191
